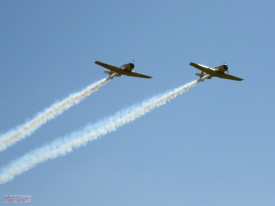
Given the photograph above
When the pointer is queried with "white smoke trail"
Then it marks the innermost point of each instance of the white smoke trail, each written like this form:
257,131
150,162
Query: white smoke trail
90,132
41,118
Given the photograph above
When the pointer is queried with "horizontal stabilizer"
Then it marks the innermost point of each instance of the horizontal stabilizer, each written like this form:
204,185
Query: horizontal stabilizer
200,74
107,72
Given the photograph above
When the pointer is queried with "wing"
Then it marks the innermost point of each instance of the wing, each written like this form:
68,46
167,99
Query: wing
204,69
135,74
228,76
121,71
110,67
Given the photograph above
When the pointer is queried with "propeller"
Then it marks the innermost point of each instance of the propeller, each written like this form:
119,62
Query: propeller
226,67
132,64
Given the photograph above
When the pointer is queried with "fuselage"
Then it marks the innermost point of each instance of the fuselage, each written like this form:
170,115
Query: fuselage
126,67
114,75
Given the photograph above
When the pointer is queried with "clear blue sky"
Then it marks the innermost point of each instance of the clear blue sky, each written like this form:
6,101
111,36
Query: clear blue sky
213,145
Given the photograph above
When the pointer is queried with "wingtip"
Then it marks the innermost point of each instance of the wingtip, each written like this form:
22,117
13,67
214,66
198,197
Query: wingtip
240,79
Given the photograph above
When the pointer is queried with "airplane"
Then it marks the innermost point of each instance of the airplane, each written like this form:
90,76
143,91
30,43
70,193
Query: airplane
216,72
125,69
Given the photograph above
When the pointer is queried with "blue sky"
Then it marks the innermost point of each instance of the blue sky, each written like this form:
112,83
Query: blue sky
213,145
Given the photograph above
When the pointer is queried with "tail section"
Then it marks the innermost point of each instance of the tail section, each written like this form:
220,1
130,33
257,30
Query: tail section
107,72
201,75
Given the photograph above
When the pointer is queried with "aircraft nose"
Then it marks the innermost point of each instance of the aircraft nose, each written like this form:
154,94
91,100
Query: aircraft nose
225,67
132,65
